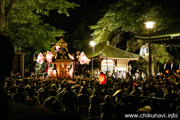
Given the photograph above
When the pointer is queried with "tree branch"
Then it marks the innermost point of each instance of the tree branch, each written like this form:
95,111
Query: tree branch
117,37
9,8
2,12
156,51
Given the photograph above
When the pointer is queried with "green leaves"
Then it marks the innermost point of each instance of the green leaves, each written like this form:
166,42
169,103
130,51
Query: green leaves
129,16
26,27
38,38
159,53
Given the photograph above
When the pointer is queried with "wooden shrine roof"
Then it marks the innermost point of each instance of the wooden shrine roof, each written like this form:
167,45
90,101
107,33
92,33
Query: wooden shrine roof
111,52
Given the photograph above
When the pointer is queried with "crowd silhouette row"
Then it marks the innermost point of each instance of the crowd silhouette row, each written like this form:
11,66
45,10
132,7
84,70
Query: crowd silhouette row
89,99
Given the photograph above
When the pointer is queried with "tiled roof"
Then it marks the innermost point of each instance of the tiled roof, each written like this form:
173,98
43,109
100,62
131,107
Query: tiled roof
113,52
110,51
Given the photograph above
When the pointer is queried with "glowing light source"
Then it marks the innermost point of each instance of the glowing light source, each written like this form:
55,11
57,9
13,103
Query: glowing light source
167,71
83,59
71,56
39,58
49,56
71,71
54,72
57,47
178,71
92,43
102,78
149,24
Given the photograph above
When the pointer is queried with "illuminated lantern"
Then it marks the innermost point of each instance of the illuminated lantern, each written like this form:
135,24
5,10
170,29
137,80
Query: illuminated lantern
144,52
49,71
39,58
57,47
54,72
167,71
83,59
71,71
102,78
178,71
49,56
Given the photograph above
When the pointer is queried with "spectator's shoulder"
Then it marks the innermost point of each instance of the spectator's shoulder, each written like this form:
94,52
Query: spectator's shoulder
20,111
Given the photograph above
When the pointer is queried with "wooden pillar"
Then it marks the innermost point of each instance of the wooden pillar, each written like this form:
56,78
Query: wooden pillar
22,66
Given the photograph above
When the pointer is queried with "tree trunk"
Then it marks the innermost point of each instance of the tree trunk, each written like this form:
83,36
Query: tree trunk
5,10
117,38
2,16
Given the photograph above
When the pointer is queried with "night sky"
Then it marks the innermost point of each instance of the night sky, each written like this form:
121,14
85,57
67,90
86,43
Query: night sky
88,11
77,24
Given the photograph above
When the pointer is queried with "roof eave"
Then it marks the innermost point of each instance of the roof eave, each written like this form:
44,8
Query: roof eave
131,59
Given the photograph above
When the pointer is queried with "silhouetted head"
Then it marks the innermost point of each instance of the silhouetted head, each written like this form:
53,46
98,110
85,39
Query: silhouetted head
107,98
68,87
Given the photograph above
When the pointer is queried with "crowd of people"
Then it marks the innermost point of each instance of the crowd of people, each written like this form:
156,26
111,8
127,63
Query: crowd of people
89,99
80,99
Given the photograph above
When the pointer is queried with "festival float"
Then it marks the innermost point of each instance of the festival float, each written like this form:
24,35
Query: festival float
59,62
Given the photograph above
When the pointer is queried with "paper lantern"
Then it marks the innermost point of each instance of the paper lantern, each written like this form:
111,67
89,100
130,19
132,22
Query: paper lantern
102,78
49,56
178,71
144,52
71,71
57,47
83,59
167,71
161,73
39,58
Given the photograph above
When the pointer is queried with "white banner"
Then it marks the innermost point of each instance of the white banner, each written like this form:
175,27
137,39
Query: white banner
144,52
